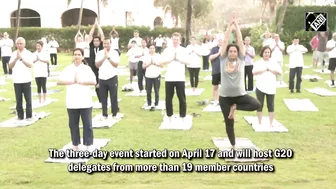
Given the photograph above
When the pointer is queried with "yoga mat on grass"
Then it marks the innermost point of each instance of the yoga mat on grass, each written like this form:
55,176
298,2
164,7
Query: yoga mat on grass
97,145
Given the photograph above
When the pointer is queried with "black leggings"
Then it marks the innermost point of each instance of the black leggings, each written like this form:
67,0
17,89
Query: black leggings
141,74
53,58
244,103
269,100
193,73
150,83
205,62
41,83
86,115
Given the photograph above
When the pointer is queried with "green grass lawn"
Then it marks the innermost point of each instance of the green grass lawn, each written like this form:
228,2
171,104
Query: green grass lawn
311,135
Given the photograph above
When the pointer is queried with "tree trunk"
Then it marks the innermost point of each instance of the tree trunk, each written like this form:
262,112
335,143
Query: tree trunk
282,16
98,5
18,16
80,16
188,23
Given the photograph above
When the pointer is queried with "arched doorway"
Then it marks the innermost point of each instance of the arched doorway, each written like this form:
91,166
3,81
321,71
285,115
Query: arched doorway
70,17
28,18
158,22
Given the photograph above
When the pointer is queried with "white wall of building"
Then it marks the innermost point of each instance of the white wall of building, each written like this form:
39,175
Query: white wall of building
114,13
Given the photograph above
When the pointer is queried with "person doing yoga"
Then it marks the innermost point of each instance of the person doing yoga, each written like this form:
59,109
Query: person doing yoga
232,94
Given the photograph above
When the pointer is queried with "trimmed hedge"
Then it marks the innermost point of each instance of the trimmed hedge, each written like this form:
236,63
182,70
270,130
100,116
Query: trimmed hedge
65,36
295,17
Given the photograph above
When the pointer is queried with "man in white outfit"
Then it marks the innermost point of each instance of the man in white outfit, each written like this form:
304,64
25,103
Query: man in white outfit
278,47
53,46
6,45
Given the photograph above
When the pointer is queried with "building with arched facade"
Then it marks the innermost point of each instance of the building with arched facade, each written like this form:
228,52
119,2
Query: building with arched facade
61,13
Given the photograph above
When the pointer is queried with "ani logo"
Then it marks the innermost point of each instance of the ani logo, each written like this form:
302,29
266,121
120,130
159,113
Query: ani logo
316,21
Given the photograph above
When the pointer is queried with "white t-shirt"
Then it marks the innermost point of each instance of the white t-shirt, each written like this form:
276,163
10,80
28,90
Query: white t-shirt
132,53
152,71
21,73
206,47
115,43
46,48
53,45
159,41
295,55
276,53
267,42
78,96
138,41
40,68
143,52
6,47
86,48
175,69
194,52
266,82
106,70
331,44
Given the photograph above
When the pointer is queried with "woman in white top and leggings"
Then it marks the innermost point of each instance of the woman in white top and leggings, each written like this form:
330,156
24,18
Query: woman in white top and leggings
266,71
78,78
40,68
194,67
153,76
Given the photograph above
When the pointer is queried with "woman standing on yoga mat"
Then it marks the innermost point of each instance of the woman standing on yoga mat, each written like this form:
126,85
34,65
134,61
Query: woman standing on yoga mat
194,68
232,95
78,78
40,68
153,76
266,71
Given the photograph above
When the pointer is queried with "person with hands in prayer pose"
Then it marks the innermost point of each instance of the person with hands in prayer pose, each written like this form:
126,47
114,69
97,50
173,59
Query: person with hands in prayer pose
233,95
194,67
153,76
107,60
296,64
266,71
278,47
78,79
21,62
41,71
176,57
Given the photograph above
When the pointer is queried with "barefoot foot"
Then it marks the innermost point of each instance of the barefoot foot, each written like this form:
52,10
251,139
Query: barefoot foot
232,111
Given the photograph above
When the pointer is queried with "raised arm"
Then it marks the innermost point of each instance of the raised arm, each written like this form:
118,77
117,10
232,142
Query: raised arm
92,32
77,35
100,32
115,31
239,38
225,40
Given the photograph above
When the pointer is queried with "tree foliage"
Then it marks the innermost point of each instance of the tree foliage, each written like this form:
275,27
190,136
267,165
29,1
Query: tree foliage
201,8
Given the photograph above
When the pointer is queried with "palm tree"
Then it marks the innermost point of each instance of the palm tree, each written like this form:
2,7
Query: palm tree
80,16
105,3
271,4
282,16
18,15
188,23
